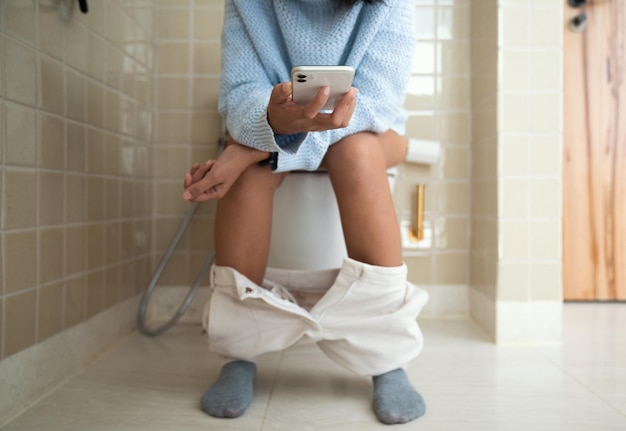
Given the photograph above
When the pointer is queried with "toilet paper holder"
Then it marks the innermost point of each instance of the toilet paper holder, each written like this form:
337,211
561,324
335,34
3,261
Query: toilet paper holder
416,231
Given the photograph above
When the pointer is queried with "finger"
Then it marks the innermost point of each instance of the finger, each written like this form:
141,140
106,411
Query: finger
311,109
348,115
187,181
202,171
196,190
281,93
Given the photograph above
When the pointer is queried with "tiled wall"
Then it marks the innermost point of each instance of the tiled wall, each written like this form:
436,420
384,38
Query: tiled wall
439,106
188,126
516,175
76,162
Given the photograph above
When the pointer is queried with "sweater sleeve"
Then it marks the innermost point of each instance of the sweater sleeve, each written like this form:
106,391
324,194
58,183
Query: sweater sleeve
245,89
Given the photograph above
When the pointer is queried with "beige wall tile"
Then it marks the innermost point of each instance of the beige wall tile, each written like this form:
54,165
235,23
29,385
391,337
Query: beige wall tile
50,311
514,155
95,199
544,33
513,281
51,33
172,127
546,70
169,199
173,24
76,250
546,281
112,242
1,329
76,147
51,142
452,268
111,286
114,67
75,198
205,131
52,85
453,57
514,239
452,22
95,293
207,58
20,73
95,104
2,65
18,211
173,93
51,198
545,198
205,93
451,233
76,45
19,19
51,254
74,301
173,57
173,162
20,260
545,240
546,114
514,26
20,320
514,66
208,23
422,93
96,54
514,113
76,95
420,269
21,135
514,198
95,246
454,92
546,155
455,163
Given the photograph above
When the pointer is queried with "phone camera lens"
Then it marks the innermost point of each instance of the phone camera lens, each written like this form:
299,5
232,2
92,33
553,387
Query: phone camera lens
301,76
301,80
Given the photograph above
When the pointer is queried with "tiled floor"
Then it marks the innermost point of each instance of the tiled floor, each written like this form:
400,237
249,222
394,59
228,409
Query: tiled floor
468,383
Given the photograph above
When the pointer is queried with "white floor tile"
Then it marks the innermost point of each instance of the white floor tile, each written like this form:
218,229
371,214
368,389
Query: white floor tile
468,383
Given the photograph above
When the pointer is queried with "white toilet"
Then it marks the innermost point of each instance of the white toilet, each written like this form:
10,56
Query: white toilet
306,227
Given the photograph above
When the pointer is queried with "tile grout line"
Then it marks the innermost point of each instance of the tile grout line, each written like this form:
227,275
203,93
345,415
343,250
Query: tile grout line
269,397
579,382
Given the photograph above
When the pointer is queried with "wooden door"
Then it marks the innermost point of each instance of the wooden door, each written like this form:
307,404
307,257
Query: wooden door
594,163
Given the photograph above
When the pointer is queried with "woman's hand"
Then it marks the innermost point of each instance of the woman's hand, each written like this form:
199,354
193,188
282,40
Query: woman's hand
287,117
213,179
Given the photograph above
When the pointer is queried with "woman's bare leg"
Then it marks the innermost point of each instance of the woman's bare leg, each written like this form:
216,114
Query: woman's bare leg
243,222
243,226
357,169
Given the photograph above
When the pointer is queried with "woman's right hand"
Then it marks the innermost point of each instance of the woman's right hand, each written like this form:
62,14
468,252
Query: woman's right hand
287,117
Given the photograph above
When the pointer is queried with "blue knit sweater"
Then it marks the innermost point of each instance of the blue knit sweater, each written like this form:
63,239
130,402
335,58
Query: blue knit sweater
264,39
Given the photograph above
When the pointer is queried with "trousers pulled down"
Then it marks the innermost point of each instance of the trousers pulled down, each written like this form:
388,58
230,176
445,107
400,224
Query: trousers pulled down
361,316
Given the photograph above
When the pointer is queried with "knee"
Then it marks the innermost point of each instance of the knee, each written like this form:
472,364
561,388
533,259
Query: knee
356,153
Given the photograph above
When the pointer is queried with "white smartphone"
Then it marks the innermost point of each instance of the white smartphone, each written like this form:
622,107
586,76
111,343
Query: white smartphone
307,81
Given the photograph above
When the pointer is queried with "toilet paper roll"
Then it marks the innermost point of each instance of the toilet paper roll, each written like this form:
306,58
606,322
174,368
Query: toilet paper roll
420,151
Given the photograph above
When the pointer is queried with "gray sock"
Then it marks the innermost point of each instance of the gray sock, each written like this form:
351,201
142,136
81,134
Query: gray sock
395,400
231,395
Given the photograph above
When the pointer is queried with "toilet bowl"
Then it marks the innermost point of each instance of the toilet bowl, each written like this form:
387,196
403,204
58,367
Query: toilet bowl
306,227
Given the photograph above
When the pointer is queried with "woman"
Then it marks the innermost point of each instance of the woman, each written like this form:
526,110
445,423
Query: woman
262,41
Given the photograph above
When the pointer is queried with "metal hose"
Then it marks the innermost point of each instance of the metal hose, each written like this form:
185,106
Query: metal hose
143,305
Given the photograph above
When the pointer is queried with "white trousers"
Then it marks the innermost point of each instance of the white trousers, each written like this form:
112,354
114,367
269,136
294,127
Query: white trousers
365,319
